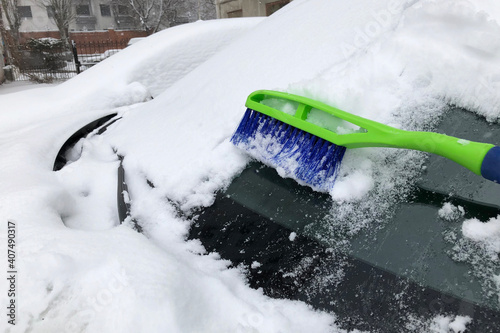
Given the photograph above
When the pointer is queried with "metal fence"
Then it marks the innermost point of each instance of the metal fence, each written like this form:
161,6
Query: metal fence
59,62
90,53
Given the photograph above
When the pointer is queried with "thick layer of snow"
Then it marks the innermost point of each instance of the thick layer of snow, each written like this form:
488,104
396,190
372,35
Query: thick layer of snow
162,59
397,62
77,272
390,78
16,86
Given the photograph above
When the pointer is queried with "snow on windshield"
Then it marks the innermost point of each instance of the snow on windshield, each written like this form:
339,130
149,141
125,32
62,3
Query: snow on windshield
396,62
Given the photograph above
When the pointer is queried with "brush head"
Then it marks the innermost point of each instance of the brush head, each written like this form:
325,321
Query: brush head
294,153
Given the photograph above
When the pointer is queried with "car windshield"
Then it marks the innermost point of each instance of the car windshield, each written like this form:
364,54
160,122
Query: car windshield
296,247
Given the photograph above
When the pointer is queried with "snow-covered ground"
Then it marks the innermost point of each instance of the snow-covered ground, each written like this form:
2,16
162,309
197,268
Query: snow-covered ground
397,62
17,86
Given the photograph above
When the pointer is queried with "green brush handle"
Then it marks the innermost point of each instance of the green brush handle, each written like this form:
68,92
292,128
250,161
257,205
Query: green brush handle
481,158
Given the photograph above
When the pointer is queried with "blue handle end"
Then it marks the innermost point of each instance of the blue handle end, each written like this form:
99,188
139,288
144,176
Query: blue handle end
490,169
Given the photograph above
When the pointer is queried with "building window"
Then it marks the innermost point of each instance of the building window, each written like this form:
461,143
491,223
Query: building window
235,13
24,11
105,10
273,7
83,10
50,11
123,10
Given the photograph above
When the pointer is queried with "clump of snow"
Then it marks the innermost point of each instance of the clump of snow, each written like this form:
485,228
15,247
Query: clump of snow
439,324
485,233
459,324
450,212
447,324
255,265
292,236
355,185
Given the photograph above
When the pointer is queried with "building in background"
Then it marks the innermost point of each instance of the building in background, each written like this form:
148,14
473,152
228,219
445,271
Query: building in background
107,15
89,30
246,8
91,15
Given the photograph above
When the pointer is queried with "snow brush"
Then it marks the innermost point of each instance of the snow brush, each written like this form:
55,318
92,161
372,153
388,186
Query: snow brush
307,139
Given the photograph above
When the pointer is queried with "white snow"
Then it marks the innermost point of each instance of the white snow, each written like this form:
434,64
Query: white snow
354,185
255,265
446,324
397,62
451,212
485,233
16,86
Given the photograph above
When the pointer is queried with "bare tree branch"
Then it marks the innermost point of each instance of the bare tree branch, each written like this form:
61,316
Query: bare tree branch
62,17
13,18
150,13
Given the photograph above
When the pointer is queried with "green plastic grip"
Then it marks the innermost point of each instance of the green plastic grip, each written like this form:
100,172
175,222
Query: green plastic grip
466,153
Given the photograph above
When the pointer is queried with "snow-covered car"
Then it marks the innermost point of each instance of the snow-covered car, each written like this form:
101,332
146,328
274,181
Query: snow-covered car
134,40
150,220
89,60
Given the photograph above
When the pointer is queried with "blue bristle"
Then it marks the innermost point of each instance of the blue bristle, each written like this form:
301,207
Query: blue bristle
301,155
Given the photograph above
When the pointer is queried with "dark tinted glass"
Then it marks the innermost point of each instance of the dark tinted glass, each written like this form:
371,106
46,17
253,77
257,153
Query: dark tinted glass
105,10
83,10
24,11
50,11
